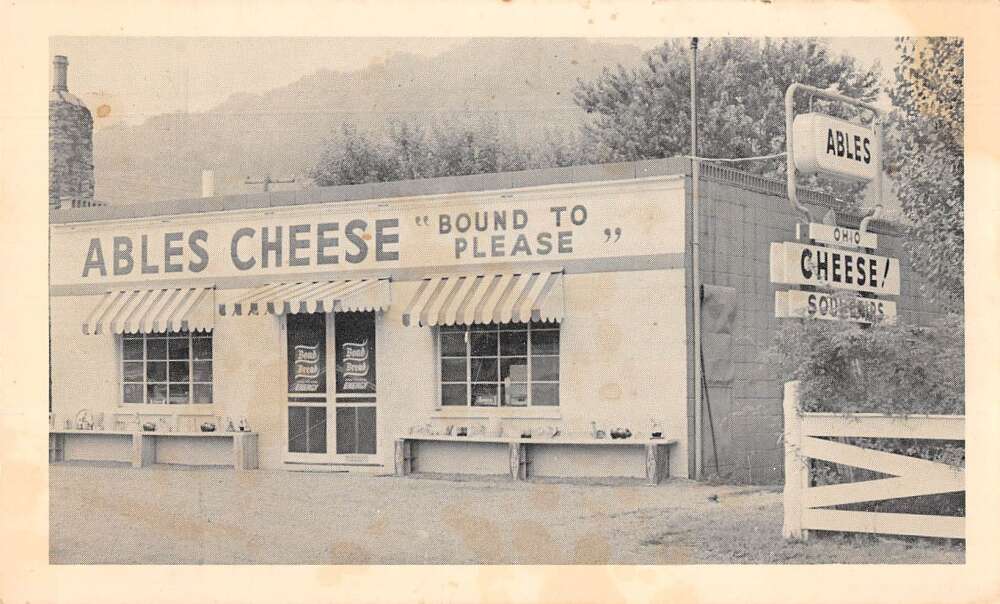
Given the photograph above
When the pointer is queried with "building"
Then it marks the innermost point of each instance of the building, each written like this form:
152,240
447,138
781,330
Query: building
337,320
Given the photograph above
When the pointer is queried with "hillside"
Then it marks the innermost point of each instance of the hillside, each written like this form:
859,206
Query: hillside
528,82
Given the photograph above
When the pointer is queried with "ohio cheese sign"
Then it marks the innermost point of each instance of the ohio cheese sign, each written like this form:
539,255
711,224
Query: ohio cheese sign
834,148
827,267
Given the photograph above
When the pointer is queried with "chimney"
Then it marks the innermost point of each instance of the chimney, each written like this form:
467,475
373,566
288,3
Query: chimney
71,144
59,64
208,183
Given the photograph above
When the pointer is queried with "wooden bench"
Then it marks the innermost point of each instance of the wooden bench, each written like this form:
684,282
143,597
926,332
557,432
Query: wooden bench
142,445
519,449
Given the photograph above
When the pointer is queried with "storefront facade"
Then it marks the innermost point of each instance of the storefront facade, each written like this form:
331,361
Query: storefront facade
335,321
338,320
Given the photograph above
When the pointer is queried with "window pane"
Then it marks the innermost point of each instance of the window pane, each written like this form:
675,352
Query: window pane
453,370
132,393
317,430
347,434
179,348
484,370
156,348
202,394
484,327
453,344
485,395
515,395
453,394
202,348
132,372
513,343
544,394
452,328
545,342
179,394
297,429
201,371
132,349
515,368
156,371
156,394
366,430
545,369
483,344
179,371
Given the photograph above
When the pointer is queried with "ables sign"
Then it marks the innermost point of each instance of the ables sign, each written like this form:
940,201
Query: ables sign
835,148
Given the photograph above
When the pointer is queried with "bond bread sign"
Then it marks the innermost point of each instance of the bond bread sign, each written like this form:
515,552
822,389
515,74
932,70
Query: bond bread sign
799,264
842,236
844,307
835,148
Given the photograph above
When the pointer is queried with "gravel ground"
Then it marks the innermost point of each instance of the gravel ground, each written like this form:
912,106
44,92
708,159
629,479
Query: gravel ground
168,515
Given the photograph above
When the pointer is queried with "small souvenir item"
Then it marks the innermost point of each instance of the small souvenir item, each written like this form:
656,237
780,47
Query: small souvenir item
462,431
229,425
149,426
525,433
208,427
655,431
69,424
593,430
555,431
99,423
244,427
599,434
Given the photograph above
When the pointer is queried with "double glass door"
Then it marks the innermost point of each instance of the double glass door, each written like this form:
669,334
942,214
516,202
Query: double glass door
331,405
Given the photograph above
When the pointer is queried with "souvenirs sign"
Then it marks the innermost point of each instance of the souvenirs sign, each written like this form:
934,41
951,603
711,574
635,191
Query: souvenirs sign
845,307
801,264
835,148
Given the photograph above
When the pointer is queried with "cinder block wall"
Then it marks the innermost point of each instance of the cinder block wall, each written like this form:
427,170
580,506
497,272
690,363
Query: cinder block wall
740,216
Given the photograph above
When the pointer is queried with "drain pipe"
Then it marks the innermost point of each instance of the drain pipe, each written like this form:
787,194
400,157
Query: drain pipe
695,263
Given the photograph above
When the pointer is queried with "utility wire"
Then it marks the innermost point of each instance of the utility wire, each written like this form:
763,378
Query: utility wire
735,159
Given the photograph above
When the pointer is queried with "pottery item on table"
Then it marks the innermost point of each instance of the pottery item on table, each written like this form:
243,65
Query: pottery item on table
593,429
555,432
449,430
208,427
69,424
149,426
657,435
462,431
599,434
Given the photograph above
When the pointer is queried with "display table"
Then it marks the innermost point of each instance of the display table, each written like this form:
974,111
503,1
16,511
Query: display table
521,451
146,448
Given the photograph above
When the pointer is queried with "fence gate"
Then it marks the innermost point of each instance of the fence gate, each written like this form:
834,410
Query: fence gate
910,476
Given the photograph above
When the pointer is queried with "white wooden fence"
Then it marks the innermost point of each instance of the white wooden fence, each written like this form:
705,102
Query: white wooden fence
910,476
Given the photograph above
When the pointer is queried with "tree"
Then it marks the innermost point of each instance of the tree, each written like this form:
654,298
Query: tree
405,150
644,113
925,159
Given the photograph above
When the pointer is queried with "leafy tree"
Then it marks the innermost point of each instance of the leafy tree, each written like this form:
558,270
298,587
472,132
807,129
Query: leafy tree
925,159
644,113
405,150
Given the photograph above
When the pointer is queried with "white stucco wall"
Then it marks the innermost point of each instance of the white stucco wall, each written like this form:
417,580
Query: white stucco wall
622,363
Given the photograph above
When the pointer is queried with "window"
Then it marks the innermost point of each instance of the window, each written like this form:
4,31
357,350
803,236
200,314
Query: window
505,365
172,368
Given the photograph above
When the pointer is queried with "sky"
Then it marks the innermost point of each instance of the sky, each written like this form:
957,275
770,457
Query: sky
148,76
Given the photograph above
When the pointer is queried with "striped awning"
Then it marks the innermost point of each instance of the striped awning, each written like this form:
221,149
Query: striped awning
153,311
496,298
313,296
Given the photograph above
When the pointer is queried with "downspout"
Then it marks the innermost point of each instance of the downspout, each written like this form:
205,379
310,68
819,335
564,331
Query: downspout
695,263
